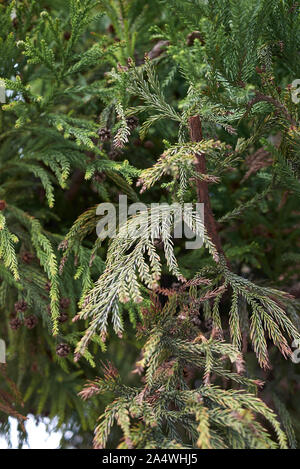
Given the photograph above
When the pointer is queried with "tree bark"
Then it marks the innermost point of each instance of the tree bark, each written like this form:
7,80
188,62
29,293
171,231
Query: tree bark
202,187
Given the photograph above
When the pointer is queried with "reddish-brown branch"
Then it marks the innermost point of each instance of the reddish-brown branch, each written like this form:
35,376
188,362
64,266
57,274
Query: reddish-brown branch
259,97
202,186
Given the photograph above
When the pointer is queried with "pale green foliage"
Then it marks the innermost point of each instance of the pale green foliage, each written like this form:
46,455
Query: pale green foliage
178,161
172,414
127,263
7,251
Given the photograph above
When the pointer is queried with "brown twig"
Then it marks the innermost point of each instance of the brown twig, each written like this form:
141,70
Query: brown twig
259,97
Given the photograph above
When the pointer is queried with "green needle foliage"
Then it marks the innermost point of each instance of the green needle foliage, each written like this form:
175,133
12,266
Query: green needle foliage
170,102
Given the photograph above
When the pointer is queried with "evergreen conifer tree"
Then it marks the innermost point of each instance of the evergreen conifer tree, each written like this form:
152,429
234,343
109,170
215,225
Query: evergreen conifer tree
170,102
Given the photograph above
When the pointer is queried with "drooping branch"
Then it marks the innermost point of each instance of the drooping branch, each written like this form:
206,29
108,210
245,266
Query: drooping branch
259,97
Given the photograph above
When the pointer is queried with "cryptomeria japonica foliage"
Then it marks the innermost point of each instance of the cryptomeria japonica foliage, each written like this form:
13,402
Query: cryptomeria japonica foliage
171,102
